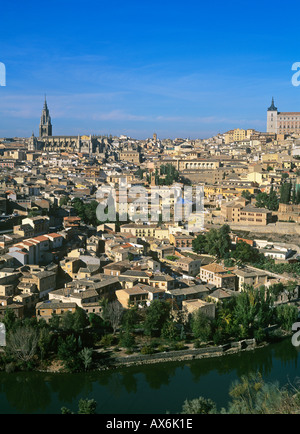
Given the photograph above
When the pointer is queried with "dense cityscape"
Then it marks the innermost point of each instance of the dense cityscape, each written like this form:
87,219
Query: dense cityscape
149,210
80,293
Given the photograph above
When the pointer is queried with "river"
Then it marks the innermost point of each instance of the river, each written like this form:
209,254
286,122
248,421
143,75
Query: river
151,389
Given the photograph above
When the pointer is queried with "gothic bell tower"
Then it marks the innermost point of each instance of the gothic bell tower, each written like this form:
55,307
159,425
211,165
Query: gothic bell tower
45,124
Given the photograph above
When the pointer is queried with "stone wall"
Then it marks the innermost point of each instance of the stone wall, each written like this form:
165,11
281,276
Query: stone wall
189,354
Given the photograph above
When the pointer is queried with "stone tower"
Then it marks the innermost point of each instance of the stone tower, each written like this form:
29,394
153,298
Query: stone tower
272,118
33,143
45,124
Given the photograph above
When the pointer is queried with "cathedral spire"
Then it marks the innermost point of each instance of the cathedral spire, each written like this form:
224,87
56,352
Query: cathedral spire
45,124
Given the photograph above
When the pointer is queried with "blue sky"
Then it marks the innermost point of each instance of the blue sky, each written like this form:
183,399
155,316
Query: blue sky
179,69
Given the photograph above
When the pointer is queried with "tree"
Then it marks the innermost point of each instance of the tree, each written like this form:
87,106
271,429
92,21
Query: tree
113,313
201,326
68,352
219,242
127,339
85,406
67,321
80,320
253,310
86,211
290,289
273,202
157,315
22,343
63,201
86,355
96,322
9,319
54,322
44,341
171,175
170,331
130,318
251,395
285,192
296,195
269,201
199,244
287,315
246,194
199,406
262,200
245,253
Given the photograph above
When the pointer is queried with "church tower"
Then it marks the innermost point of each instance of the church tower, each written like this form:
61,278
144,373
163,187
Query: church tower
272,118
45,124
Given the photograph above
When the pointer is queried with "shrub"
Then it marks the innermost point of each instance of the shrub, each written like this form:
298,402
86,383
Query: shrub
147,349
179,346
107,340
10,368
197,344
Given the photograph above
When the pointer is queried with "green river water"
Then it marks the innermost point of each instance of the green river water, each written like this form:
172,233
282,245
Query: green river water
151,389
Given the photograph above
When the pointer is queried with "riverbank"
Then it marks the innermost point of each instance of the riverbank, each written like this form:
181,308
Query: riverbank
115,362
108,360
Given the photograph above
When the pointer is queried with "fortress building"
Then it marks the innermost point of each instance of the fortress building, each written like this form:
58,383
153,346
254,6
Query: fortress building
282,122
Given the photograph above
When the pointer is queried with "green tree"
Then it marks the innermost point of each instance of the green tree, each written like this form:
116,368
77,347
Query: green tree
201,326
253,310
130,318
86,355
63,201
285,192
245,253
262,199
170,331
219,242
246,195
44,342
272,202
269,201
199,243
127,339
85,406
157,314
68,352
67,321
9,319
252,395
199,406
54,322
80,320
287,315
